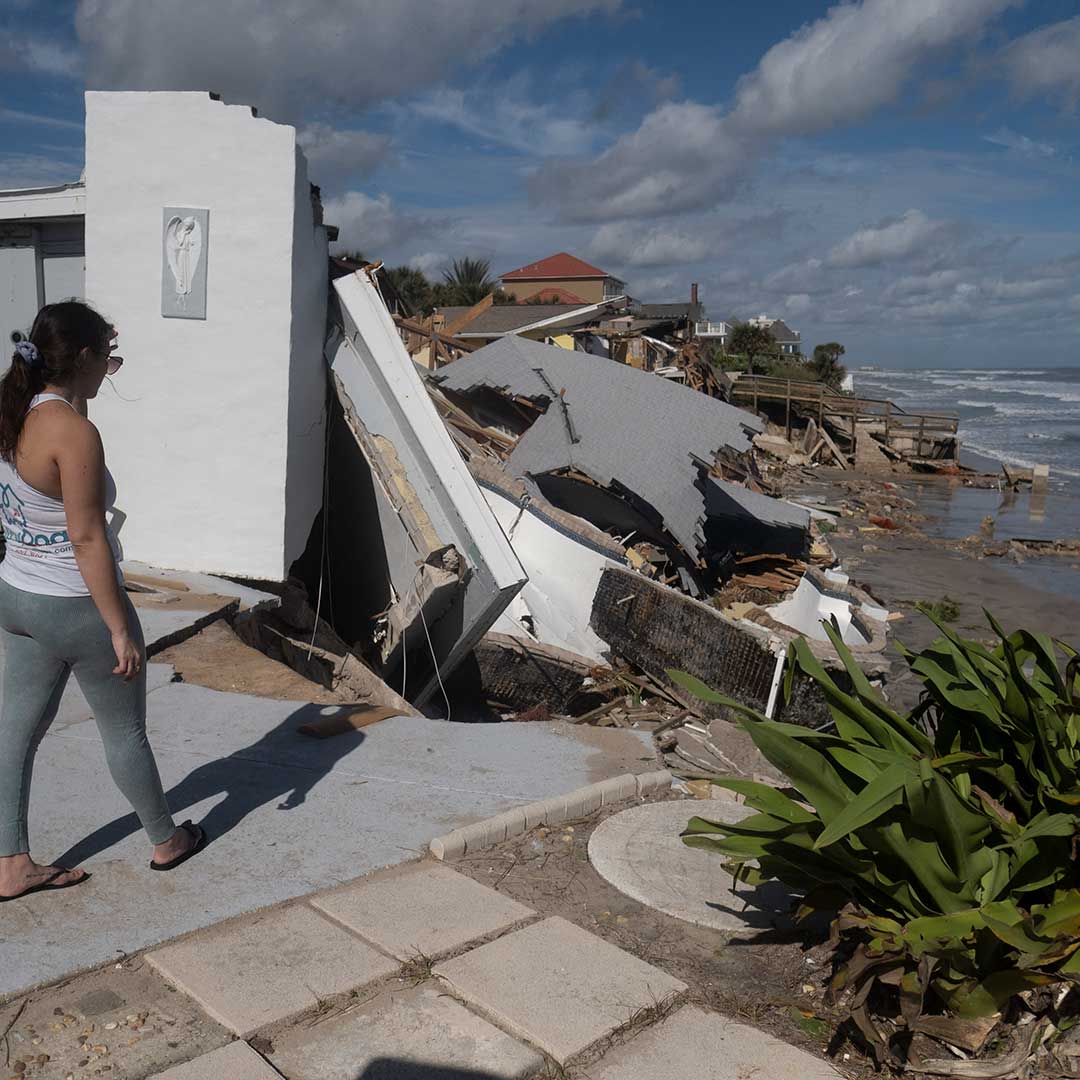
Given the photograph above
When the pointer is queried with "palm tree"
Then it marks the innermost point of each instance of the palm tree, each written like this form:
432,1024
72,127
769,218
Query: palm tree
468,280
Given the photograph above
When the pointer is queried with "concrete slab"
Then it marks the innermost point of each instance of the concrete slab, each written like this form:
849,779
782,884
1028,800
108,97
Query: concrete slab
267,968
708,1047
165,626
557,985
426,909
418,1034
288,815
200,583
237,1061
640,853
125,1017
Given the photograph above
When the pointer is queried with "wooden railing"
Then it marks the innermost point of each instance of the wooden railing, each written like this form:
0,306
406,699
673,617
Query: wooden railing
846,411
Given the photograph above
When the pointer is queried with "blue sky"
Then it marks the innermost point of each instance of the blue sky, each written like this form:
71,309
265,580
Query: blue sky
898,175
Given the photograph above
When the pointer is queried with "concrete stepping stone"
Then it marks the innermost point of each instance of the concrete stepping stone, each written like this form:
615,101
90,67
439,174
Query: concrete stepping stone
409,1035
237,1061
425,908
708,1047
557,985
639,852
269,967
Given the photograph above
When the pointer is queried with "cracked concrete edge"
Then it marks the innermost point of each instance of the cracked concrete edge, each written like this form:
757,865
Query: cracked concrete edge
227,611
576,804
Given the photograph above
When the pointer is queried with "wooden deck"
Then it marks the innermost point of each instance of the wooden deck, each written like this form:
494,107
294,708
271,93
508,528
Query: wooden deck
910,434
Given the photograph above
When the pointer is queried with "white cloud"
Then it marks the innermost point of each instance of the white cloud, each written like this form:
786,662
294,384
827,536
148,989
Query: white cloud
632,244
1025,289
23,52
1044,62
923,284
1022,144
895,239
430,263
503,116
17,116
372,226
661,288
681,157
35,170
335,156
841,68
804,276
961,305
281,57
851,62
798,304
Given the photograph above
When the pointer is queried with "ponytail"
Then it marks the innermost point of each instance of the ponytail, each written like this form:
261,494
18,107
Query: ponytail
48,357
17,389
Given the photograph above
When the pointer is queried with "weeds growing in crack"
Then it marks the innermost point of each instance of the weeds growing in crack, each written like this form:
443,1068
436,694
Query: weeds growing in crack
417,969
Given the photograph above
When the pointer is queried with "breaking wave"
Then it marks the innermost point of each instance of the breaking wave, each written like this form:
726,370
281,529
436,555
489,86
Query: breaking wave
1010,458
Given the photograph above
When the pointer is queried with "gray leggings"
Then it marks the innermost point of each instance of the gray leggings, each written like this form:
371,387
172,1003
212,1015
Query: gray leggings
44,640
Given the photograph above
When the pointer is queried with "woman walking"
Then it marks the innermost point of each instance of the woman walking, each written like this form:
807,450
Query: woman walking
62,604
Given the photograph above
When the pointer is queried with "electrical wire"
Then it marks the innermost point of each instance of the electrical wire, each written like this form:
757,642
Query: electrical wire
431,649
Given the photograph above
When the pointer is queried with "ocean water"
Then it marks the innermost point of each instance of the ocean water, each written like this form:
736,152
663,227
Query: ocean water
1017,416
1021,417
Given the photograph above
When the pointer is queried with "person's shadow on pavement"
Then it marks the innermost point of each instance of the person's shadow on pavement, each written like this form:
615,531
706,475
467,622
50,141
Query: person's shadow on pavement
282,765
397,1069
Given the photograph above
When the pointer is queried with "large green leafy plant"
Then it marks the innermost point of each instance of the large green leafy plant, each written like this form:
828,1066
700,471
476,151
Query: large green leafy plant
946,837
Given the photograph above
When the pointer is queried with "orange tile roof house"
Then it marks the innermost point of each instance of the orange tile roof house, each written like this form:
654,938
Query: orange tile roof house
571,279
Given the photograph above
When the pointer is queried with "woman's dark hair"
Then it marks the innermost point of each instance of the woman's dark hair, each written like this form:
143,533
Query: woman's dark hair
60,332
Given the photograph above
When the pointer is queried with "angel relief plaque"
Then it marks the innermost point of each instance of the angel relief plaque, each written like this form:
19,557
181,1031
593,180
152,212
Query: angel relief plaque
183,262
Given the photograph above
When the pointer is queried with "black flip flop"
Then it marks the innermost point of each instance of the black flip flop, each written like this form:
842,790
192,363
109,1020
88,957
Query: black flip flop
201,840
48,885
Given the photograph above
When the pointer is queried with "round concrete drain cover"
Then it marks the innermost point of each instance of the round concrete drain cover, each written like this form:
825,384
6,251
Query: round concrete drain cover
640,853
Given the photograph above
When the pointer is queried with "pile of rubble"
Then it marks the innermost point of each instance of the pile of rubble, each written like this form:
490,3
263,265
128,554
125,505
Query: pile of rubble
559,530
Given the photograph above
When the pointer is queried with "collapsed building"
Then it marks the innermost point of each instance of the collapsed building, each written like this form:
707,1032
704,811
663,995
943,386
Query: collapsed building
634,455
439,517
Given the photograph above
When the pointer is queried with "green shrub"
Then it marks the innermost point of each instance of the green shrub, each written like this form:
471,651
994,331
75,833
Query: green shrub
944,610
948,835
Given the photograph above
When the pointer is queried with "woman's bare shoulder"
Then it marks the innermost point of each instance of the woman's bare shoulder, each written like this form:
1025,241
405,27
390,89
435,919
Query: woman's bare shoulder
57,422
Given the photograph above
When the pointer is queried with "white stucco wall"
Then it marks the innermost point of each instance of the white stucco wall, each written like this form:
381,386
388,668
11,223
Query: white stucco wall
220,421
307,395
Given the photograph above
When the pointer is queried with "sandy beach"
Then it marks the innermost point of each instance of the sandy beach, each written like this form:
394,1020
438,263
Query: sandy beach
941,548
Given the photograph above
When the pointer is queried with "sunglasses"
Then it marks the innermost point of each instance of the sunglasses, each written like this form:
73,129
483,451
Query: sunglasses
114,365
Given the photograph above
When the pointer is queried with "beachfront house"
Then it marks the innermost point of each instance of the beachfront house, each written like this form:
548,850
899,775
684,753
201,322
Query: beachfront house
790,341
562,279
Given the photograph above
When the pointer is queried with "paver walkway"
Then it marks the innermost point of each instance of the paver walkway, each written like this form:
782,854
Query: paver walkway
416,973
372,798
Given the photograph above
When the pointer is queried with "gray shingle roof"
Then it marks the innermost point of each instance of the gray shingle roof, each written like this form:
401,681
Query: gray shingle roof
620,424
782,332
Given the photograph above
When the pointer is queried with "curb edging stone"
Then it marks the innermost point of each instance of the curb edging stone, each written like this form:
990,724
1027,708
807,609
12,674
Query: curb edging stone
575,804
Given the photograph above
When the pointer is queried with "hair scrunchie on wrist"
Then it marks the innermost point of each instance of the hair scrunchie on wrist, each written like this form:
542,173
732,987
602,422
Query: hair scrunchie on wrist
29,352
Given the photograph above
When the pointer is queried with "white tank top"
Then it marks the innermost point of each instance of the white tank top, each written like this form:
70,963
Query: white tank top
40,557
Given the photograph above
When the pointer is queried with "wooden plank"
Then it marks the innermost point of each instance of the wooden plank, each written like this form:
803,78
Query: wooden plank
467,317
425,331
832,447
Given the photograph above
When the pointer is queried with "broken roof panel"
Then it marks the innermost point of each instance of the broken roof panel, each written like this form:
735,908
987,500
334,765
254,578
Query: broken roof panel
433,504
618,425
